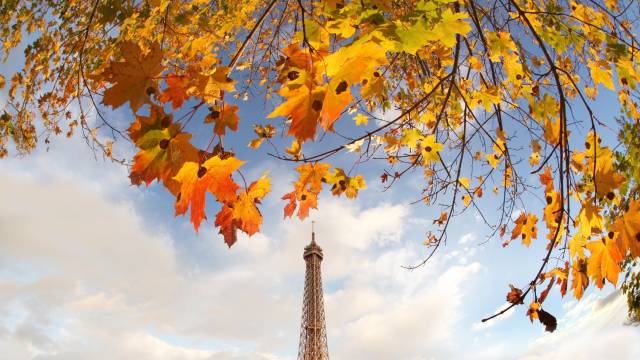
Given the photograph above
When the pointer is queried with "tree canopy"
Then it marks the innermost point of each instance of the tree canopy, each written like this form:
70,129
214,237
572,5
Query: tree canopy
515,99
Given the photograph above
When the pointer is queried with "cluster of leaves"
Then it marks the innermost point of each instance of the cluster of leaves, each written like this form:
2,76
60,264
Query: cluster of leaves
628,163
472,83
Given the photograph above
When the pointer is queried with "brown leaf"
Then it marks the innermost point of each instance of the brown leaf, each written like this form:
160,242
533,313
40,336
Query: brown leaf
549,321
515,295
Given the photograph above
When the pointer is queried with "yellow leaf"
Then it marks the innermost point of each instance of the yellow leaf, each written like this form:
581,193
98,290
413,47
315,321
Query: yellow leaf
580,280
464,182
628,228
294,149
601,73
449,26
410,137
245,210
604,261
430,149
493,159
525,228
361,120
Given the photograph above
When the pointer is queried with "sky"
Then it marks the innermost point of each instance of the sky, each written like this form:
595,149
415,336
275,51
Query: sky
93,268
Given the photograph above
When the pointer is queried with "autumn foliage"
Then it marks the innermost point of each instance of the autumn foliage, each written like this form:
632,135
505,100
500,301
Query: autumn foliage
486,99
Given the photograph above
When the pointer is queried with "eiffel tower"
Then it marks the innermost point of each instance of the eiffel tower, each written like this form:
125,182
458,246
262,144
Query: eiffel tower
313,333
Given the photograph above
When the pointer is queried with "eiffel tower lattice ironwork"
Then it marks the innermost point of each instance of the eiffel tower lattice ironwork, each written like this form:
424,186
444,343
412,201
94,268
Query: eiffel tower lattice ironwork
313,334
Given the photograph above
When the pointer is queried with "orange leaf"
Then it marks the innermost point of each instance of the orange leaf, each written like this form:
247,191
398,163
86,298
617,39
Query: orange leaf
525,228
227,224
306,189
628,228
214,175
133,78
163,149
177,90
245,210
338,96
302,106
227,118
580,280
604,261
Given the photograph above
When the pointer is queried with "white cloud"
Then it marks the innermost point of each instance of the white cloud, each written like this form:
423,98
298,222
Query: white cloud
466,238
410,325
593,330
383,117
83,276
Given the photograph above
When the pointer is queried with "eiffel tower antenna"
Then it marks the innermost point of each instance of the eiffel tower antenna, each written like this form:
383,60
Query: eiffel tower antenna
313,332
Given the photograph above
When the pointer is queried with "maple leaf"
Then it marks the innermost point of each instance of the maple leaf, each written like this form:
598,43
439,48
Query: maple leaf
442,219
448,27
245,210
532,312
493,159
628,228
163,149
361,119
580,279
357,61
303,107
306,189
373,87
337,97
210,86
514,296
464,182
242,213
466,199
525,228
534,158
431,149
133,78
549,321
546,179
345,184
604,260
411,138
176,91
294,149
227,117
263,132
227,224
552,131
553,216
588,222
607,178
214,176
601,73
411,37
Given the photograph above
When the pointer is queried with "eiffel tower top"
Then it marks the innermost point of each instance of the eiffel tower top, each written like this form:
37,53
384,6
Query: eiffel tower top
313,248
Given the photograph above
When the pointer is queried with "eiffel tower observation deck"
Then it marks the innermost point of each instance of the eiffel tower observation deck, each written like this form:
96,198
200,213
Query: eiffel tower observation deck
313,333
